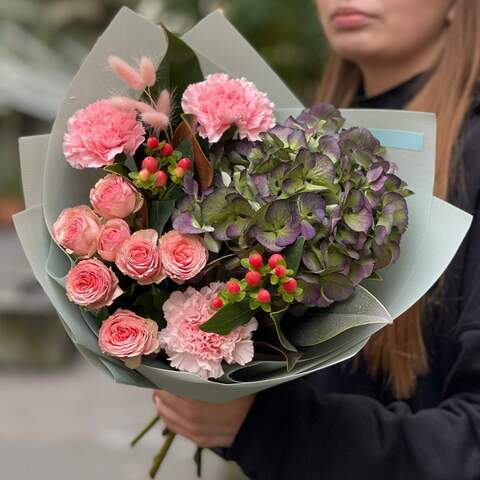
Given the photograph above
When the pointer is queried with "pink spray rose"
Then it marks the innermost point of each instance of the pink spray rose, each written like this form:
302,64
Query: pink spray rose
100,131
192,350
183,256
220,102
115,197
91,284
127,336
77,230
139,258
112,236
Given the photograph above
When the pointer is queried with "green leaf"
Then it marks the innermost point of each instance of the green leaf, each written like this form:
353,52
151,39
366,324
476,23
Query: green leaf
228,318
149,305
118,169
178,68
277,319
186,147
293,254
160,212
361,309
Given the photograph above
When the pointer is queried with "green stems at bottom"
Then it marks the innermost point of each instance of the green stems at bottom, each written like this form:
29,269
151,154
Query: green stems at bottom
157,461
145,431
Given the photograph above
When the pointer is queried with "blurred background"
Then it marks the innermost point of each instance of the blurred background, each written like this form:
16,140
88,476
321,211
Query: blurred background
59,418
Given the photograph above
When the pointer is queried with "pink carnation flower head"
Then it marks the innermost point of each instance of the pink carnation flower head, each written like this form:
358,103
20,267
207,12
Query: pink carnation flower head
220,102
91,284
127,336
77,230
115,197
183,256
100,131
192,350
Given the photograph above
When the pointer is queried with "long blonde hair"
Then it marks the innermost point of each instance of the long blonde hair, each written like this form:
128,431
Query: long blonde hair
398,351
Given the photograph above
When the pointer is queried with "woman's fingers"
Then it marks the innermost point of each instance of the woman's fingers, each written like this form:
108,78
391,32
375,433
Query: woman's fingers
204,423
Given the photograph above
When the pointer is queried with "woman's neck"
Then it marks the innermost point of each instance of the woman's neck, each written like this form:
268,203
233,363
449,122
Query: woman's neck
379,77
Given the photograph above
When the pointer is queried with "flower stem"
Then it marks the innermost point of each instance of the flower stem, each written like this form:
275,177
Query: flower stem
198,461
157,461
145,431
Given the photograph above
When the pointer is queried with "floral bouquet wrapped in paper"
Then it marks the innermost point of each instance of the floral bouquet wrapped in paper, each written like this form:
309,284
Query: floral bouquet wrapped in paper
201,232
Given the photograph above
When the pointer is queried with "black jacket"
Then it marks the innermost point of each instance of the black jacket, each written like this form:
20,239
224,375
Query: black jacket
335,424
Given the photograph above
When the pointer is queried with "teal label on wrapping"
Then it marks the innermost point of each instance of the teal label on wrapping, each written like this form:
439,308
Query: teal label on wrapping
401,139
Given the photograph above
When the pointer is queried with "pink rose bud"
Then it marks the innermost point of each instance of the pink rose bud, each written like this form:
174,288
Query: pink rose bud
139,258
77,230
183,256
91,284
115,197
127,336
112,236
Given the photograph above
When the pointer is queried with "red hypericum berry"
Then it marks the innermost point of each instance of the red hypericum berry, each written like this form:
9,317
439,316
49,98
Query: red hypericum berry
274,259
290,285
166,150
185,163
152,142
263,296
150,163
180,172
255,260
144,175
216,303
280,271
253,278
161,178
233,287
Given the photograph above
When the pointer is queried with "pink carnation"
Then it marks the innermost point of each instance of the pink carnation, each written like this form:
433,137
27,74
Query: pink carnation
183,256
192,350
91,284
115,197
139,258
77,230
112,236
100,131
220,102
127,336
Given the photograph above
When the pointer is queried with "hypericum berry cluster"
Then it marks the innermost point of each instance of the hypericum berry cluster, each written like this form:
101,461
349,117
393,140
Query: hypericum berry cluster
161,163
267,285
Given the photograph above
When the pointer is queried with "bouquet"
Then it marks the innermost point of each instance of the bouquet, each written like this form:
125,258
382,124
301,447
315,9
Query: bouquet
200,237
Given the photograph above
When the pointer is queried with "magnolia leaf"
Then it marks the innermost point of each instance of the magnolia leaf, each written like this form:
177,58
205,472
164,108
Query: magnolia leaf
203,167
320,325
227,318
178,68
277,318
264,350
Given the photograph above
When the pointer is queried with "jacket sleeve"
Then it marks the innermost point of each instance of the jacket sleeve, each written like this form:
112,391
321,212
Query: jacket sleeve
293,432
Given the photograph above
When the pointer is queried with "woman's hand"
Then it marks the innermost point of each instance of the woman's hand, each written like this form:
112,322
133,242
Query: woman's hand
205,424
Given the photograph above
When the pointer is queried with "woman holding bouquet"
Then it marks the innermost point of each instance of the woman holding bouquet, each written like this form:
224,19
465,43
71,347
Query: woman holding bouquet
409,405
